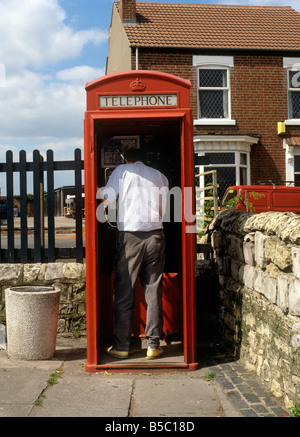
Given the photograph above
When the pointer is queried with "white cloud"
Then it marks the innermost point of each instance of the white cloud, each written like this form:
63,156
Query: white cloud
80,74
33,107
60,147
33,34
39,105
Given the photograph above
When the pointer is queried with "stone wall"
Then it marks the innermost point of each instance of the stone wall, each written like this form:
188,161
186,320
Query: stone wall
258,266
69,277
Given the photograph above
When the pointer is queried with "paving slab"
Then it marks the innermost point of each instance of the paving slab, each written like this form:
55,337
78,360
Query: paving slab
22,382
174,396
233,392
86,396
19,390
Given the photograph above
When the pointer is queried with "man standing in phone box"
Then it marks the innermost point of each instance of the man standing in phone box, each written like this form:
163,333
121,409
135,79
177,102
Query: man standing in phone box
141,195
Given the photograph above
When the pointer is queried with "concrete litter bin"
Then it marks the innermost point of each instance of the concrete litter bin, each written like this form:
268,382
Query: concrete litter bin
31,321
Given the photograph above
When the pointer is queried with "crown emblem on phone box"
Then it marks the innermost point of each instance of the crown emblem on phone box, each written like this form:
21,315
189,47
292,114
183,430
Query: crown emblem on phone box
137,85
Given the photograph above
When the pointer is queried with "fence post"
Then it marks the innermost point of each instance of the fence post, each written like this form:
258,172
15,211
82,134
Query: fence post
215,193
0,233
23,206
10,206
50,206
78,205
38,208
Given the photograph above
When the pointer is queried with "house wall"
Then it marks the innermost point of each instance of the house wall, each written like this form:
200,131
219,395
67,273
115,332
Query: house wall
258,102
258,267
119,51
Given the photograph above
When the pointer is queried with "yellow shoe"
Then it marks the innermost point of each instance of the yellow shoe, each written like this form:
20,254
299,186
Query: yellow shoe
154,353
117,354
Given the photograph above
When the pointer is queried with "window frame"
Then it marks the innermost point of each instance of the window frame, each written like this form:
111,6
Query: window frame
297,155
214,121
237,165
290,153
291,90
290,64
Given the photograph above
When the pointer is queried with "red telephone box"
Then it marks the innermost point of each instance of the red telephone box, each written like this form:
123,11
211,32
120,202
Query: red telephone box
149,110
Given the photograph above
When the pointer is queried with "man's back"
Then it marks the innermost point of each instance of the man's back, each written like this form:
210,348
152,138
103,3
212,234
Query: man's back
141,194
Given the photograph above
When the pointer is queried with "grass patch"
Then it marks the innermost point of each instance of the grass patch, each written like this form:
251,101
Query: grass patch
54,377
39,400
209,376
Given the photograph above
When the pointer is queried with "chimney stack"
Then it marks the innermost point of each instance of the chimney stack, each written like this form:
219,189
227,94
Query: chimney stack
127,10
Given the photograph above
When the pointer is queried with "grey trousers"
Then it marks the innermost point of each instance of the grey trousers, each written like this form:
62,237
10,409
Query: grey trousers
139,254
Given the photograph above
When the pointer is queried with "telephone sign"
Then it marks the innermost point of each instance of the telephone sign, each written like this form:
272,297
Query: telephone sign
140,100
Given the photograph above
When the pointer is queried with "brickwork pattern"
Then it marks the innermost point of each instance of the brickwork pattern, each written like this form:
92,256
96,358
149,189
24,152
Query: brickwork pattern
127,9
258,101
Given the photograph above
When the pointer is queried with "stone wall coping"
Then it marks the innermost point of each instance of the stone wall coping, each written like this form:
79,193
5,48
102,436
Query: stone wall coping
283,225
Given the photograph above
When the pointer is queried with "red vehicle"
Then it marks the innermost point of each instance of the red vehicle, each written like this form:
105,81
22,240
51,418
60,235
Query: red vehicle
263,198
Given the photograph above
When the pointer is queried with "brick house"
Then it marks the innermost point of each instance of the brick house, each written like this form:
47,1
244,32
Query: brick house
244,66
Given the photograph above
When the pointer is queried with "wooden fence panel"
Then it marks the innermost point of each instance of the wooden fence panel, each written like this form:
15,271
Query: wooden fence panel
39,167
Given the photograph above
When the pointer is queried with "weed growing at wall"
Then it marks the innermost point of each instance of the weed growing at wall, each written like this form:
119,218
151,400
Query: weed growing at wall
295,410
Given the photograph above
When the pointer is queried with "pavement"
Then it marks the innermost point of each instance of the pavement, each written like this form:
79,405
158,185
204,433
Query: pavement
221,387
60,223
126,398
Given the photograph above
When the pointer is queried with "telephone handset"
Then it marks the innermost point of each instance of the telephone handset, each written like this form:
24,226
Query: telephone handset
108,170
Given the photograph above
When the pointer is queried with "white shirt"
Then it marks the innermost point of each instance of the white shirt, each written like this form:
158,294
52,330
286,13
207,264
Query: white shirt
141,194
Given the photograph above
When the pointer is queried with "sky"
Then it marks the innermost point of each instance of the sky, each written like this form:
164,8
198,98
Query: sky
49,50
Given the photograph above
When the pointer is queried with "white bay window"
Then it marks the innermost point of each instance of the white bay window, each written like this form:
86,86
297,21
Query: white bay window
229,155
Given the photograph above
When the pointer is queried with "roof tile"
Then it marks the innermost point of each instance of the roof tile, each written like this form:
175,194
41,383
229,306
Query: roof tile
186,25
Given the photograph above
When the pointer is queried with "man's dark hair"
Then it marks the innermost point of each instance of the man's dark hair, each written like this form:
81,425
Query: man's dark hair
133,155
